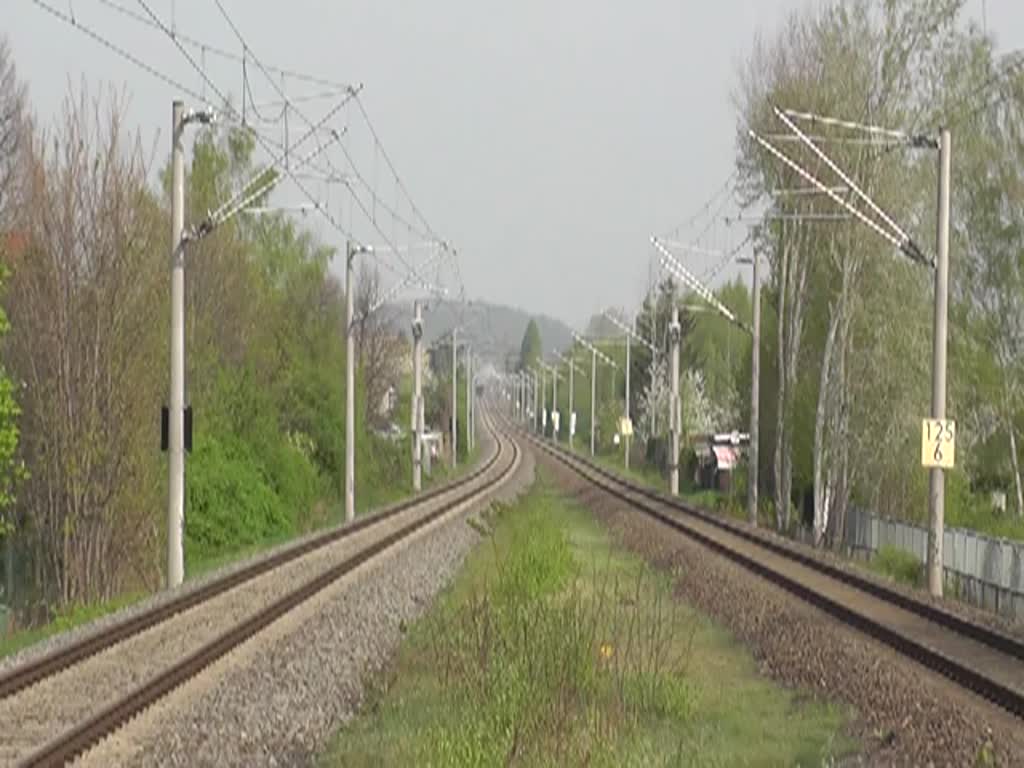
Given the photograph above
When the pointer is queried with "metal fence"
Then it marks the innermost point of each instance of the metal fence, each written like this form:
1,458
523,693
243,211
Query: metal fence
984,571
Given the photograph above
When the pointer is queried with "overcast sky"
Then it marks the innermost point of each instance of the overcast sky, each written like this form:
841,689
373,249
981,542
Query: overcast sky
547,140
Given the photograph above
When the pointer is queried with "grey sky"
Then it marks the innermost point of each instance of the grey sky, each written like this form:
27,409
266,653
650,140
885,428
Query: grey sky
547,140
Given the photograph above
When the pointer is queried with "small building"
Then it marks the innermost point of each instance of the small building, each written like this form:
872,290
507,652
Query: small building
717,457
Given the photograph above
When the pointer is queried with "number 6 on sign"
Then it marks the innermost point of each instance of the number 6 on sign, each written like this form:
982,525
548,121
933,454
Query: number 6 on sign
938,443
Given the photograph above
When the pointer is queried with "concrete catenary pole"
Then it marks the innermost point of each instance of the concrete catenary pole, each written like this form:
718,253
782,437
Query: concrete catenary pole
176,420
350,386
472,407
519,390
627,438
537,403
675,419
555,424
543,402
572,399
417,395
755,381
937,481
469,399
655,385
523,392
455,398
593,398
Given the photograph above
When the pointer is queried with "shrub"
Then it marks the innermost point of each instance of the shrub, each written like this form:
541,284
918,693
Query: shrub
231,503
899,565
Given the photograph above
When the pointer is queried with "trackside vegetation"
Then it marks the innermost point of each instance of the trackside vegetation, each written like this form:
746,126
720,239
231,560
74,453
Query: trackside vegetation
554,648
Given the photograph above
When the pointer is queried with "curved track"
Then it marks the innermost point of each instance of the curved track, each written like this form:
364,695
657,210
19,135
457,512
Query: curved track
177,641
976,657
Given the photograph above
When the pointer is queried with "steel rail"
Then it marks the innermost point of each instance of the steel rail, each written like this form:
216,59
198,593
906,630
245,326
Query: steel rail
964,675
22,676
69,745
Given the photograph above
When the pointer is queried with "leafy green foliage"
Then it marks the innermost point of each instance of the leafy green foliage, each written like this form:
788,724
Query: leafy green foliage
900,565
720,350
12,470
231,501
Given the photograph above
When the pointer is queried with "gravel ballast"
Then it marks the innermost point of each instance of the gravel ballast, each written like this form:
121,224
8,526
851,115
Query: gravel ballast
63,700
905,714
277,699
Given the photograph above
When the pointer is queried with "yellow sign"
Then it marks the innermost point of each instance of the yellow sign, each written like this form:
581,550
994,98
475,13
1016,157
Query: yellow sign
938,443
626,427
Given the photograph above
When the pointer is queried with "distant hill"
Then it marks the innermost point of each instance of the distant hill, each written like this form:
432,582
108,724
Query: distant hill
495,331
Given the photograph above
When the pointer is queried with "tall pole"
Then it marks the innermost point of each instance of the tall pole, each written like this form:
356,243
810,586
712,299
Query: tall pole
572,397
521,396
937,481
593,398
675,421
655,387
533,378
554,404
417,394
537,411
626,438
543,402
455,398
469,399
176,436
523,391
755,402
472,408
350,386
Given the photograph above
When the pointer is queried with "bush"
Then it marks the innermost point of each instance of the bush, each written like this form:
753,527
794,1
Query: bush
231,501
899,565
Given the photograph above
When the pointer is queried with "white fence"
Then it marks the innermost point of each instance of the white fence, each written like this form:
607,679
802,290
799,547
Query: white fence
982,570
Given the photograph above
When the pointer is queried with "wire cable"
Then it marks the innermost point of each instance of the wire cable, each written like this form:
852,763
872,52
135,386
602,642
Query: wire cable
394,171
706,205
842,175
222,53
207,226
372,218
122,52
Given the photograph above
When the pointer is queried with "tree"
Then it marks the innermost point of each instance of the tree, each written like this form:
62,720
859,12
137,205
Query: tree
379,348
600,327
990,288
12,97
837,401
84,300
12,130
718,349
531,350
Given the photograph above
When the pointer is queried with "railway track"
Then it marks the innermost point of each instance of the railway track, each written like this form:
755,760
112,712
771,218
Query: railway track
58,706
977,658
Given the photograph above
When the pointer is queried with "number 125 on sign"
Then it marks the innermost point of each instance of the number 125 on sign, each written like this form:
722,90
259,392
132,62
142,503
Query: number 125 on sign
938,443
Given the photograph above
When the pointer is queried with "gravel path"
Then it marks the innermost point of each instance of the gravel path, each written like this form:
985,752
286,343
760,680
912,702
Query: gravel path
907,715
277,699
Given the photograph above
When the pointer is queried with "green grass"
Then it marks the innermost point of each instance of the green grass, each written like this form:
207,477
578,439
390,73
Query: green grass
899,565
558,649
64,621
